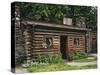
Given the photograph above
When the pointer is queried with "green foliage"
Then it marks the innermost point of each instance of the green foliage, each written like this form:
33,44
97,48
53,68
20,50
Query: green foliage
80,54
57,67
20,59
54,59
50,67
50,59
55,13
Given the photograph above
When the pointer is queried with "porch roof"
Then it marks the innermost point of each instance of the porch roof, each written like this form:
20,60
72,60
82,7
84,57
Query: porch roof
62,26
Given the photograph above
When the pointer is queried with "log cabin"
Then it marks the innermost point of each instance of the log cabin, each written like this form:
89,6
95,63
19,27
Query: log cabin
35,37
43,38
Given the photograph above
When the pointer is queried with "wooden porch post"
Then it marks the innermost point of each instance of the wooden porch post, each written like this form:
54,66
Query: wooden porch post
89,41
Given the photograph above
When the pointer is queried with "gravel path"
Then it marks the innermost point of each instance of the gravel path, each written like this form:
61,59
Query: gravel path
81,63
21,70
84,63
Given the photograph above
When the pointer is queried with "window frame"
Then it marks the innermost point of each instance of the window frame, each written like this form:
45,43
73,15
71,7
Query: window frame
76,41
45,45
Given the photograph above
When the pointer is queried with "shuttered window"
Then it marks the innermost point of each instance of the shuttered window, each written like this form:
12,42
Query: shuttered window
48,42
76,42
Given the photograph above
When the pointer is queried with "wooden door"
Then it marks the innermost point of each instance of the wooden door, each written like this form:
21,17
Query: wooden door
63,46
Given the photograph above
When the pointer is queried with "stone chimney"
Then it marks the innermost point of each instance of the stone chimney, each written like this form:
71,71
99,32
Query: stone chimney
67,21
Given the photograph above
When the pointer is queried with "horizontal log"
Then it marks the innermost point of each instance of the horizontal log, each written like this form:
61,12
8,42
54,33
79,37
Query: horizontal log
41,39
70,39
29,49
80,35
44,33
70,45
82,46
28,33
55,46
38,38
38,41
28,39
79,49
57,39
81,39
45,51
28,46
28,58
56,43
28,43
35,36
44,48
54,40
82,43
62,31
38,47
28,54
42,36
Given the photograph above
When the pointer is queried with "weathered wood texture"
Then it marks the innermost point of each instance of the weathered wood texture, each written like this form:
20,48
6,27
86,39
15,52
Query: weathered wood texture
94,42
19,38
28,37
34,23
74,47
38,43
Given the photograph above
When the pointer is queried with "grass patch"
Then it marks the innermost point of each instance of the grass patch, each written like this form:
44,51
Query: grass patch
57,67
55,63
50,67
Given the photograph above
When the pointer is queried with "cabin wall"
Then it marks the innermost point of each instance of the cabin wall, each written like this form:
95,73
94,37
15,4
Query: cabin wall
38,41
35,42
55,49
20,52
76,42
